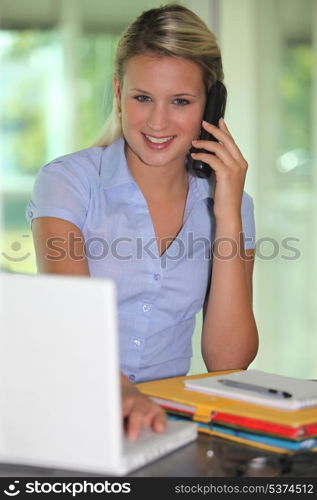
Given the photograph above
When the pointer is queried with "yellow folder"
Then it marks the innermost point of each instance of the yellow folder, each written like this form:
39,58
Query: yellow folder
171,393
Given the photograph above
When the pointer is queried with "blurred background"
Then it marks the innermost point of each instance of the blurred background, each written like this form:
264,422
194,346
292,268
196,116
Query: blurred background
56,90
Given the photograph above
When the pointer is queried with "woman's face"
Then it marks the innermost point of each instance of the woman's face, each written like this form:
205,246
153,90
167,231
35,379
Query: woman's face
162,101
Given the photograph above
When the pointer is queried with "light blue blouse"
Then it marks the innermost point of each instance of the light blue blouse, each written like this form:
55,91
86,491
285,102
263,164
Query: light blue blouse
158,296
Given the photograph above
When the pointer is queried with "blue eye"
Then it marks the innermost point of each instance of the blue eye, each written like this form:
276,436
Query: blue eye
181,102
142,98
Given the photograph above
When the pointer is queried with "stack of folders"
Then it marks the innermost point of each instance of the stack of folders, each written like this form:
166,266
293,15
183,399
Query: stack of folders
253,407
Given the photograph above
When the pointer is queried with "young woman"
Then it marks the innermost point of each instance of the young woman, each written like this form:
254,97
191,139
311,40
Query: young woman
129,209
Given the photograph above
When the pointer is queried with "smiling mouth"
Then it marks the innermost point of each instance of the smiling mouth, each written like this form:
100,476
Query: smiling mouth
158,140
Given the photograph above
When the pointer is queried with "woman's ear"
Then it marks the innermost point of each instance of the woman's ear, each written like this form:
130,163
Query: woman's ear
117,93
116,87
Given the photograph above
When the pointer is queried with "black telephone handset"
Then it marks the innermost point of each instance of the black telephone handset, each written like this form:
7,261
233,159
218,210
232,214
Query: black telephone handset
214,110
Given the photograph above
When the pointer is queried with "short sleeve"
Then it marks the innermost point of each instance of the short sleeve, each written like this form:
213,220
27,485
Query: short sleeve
60,190
248,224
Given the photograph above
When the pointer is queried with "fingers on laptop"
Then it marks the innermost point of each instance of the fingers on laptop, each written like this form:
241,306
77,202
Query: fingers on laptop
139,411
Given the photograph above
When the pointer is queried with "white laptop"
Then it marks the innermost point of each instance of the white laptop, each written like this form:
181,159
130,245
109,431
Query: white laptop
59,379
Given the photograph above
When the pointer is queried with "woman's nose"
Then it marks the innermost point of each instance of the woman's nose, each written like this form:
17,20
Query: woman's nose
158,117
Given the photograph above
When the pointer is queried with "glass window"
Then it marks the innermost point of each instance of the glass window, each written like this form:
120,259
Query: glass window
34,102
271,110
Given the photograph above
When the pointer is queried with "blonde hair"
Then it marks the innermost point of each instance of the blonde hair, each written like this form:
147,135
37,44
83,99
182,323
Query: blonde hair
171,30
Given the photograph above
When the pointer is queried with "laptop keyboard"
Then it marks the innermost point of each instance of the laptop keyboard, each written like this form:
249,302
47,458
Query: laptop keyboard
152,445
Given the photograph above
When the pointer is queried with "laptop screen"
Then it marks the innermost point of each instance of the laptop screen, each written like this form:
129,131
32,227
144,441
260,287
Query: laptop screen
59,370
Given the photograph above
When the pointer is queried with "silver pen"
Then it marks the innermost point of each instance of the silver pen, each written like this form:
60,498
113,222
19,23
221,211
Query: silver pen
255,388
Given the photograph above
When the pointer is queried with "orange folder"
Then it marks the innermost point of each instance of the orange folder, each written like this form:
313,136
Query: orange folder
172,395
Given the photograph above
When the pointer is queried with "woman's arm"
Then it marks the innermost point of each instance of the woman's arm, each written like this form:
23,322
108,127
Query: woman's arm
229,336
59,247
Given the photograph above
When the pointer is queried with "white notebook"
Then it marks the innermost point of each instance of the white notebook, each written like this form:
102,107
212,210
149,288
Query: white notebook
259,387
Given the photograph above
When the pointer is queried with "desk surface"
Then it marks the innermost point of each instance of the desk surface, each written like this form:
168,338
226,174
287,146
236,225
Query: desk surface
206,457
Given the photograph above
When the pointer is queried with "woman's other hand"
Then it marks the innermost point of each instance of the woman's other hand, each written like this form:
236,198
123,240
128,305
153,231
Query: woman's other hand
139,411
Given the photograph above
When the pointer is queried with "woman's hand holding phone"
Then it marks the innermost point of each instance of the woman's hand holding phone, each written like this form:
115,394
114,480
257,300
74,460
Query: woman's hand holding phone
230,169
